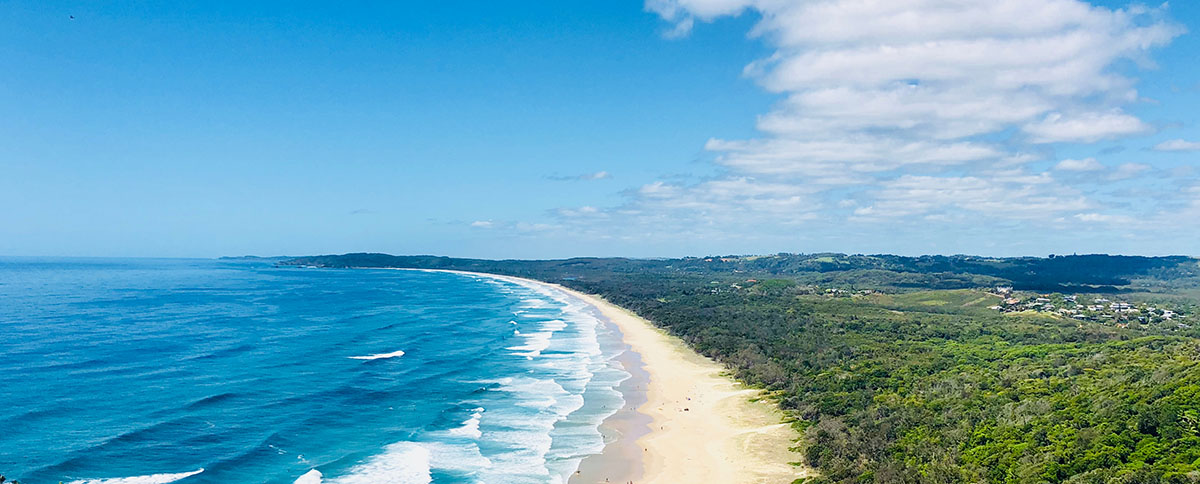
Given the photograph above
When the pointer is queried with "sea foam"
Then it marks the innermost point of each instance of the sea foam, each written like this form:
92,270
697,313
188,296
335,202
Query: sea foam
148,479
381,356
410,463
470,428
400,463
310,477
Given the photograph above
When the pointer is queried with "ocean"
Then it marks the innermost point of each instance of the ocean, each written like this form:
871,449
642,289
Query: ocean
143,371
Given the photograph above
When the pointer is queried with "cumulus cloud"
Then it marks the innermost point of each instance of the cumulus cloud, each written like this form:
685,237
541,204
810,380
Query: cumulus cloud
917,109
873,91
1177,145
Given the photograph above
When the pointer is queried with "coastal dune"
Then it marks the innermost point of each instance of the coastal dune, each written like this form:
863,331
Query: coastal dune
704,427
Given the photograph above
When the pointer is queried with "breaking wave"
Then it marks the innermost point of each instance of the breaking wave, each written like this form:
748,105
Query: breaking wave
149,479
381,356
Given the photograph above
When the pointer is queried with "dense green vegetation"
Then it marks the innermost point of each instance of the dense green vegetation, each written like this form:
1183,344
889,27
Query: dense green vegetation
1062,273
917,382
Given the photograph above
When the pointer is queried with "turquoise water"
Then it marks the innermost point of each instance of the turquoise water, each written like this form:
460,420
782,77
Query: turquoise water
132,371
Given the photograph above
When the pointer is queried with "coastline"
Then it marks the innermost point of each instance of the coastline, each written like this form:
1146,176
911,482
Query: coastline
621,459
684,420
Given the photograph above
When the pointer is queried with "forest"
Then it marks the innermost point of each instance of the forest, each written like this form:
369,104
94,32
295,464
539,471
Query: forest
910,378
1097,272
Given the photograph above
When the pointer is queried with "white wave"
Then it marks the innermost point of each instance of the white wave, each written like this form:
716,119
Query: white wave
394,354
457,458
310,477
534,344
550,418
554,325
410,463
533,392
400,463
531,303
470,428
149,479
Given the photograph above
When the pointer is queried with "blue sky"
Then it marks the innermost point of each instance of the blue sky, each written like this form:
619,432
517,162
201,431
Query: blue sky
540,129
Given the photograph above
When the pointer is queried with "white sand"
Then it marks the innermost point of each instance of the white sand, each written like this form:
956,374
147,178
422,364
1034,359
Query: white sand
705,428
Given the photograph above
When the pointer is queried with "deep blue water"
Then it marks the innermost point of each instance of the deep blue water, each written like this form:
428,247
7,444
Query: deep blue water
138,371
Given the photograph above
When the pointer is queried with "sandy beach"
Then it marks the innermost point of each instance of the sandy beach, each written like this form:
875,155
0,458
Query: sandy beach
694,424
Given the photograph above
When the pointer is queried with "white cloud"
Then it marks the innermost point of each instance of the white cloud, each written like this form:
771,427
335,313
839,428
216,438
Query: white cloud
681,30
727,207
1128,170
1177,145
914,111
1085,128
1100,218
483,224
1094,168
843,161
727,199
876,92
707,10
599,175
1086,164
923,111
585,211
1014,197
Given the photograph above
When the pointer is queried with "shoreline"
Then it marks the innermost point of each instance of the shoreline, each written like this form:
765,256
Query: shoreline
697,424
621,459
